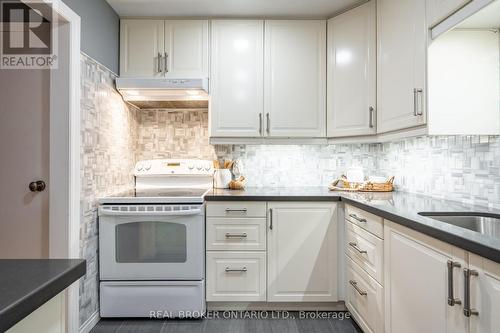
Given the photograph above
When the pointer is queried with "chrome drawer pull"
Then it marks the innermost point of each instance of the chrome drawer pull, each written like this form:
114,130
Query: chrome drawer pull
451,298
356,247
230,270
229,210
359,219
243,235
354,284
467,310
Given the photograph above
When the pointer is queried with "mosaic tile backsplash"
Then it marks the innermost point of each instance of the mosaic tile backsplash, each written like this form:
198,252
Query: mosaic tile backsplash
108,143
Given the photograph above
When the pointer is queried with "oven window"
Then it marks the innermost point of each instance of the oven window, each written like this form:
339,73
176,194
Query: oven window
151,242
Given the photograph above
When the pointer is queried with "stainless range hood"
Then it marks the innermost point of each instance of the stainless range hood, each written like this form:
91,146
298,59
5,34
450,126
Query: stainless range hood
159,93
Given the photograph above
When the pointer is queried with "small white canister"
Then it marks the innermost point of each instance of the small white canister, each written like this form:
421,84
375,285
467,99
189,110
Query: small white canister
222,178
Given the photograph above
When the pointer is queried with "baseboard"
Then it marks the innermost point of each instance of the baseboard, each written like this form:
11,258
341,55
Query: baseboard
89,324
277,306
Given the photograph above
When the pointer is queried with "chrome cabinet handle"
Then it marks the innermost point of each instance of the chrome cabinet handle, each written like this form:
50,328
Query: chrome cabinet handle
270,219
354,284
260,123
242,210
371,109
243,235
158,67
268,124
230,270
451,298
467,309
356,247
354,216
166,62
417,106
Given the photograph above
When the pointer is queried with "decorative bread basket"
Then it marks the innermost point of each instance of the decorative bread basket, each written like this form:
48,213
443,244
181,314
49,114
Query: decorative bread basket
342,184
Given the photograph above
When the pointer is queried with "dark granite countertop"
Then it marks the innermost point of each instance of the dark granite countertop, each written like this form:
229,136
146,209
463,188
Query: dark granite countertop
310,193
399,207
26,284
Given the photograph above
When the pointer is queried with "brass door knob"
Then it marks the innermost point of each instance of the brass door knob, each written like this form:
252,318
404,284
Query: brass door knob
37,186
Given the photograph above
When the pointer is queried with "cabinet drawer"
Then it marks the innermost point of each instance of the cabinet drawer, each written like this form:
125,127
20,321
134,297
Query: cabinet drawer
366,250
240,234
236,276
236,209
364,299
367,221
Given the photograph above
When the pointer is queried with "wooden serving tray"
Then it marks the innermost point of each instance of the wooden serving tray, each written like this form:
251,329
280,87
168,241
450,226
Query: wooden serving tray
363,187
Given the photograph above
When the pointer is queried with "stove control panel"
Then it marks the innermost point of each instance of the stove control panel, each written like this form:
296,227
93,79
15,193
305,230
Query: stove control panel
173,167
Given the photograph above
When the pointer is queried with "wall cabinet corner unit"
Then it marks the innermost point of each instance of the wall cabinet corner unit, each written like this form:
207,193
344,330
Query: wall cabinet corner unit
271,252
351,77
401,70
164,48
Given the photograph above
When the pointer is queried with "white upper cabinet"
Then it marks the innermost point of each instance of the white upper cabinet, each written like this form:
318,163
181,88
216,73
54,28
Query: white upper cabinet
438,10
295,78
302,252
237,78
401,76
172,48
186,48
352,72
141,47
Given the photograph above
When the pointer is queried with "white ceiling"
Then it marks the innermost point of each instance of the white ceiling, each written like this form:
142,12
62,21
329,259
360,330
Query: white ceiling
231,8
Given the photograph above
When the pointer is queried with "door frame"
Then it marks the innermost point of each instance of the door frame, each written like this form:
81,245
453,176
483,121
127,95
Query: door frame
64,180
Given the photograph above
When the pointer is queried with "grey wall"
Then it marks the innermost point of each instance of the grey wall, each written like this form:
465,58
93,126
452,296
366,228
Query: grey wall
100,30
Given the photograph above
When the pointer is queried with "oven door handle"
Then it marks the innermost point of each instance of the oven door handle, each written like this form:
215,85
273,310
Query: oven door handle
109,212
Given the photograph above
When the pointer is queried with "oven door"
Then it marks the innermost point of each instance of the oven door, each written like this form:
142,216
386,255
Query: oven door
151,242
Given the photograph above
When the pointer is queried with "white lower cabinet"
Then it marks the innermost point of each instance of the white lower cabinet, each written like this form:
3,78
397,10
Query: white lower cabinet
288,256
422,275
302,252
364,298
236,276
484,295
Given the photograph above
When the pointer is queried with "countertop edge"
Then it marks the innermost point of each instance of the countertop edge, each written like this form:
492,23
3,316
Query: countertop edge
19,310
460,242
334,198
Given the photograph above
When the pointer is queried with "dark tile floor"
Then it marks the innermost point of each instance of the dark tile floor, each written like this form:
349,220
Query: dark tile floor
293,324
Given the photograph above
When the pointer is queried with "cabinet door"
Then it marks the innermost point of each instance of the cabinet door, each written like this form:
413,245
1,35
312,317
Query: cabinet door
438,10
186,49
302,252
295,78
416,283
485,295
237,78
352,64
141,48
401,76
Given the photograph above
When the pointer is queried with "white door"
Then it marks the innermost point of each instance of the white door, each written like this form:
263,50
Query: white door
186,49
352,65
295,78
302,252
24,147
417,281
141,48
401,76
438,10
485,295
237,78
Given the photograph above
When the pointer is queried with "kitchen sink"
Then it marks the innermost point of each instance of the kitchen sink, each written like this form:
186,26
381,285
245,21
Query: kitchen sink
486,224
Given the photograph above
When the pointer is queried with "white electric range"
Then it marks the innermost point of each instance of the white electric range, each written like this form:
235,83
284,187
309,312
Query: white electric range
151,242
